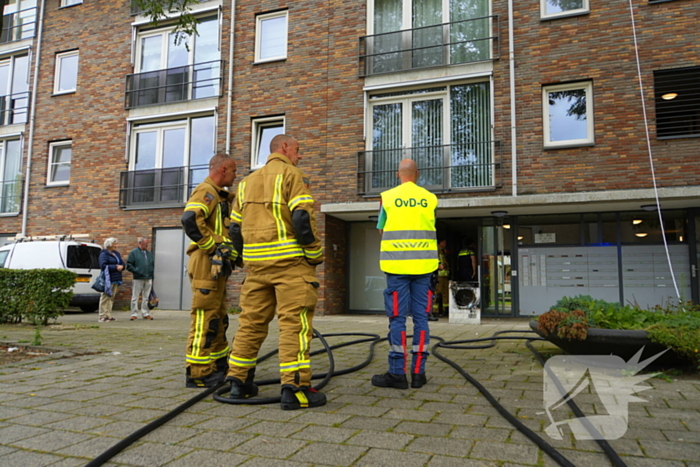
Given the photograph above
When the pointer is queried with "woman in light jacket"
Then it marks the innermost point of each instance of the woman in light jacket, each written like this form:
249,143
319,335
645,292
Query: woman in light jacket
112,260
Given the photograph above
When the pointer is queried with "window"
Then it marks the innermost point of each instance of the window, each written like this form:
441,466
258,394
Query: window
71,2
60,155
677,98
11,181
14,90
558,8
271,37
170,71
19,20
166,158
264,129
568,115
446,130
411,34
66,77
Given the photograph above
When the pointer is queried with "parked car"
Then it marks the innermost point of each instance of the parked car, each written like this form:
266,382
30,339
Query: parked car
73,255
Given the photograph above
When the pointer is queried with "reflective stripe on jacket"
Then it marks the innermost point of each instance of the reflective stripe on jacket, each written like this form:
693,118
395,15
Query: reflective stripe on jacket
409,243
203,220
266,202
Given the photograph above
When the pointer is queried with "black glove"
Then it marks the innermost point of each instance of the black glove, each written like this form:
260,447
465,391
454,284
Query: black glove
222,260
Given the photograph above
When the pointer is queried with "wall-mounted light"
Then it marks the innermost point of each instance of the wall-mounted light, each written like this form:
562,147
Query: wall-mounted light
641,234
648,207
506,226
637,221
680,238
520,237
669,96
499,213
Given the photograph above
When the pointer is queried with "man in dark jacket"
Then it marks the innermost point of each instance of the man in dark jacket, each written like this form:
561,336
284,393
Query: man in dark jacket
140,263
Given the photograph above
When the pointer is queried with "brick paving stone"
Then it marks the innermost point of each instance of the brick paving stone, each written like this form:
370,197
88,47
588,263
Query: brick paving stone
357,399
429,429
28,459
227,424
646,462
14,433
218,440
267,462
441,446
310,417
364,410
461,419
52,441
270,446
149,454
504,452
579,458
415,415
685,436
399,403
281,429
443,461
90,448
328,454
170,434
670,450
41,418
391,458
479,433
212,458
69,462
371,423
120,429
380,440
325,433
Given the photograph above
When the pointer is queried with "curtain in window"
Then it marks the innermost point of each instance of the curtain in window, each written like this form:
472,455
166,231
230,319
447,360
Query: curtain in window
427,33
427,133
384,48
387,144
472,159
465,31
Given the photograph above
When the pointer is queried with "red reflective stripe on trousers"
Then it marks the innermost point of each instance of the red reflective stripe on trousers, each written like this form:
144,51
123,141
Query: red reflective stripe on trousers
430,302
405,353
421,349
396,303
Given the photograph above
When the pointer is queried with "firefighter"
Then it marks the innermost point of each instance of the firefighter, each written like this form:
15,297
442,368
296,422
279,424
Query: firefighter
205,221
409,258
442,286
273,220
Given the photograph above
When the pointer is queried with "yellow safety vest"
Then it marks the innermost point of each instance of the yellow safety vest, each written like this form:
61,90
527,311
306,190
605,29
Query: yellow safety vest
409,243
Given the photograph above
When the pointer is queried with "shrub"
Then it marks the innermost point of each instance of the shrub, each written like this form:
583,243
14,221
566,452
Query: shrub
34,295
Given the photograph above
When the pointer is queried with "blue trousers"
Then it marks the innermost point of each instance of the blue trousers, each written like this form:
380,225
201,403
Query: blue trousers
408,295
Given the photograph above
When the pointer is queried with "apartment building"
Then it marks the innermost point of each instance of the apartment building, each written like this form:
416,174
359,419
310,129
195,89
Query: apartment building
549,130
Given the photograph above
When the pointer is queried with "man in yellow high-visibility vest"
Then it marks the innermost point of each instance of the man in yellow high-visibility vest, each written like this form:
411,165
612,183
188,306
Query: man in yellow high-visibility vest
408,256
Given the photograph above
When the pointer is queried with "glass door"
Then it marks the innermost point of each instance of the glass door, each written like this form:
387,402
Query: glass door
495,267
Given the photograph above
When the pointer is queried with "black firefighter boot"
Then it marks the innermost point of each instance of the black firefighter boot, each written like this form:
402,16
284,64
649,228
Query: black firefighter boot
303,397
390,380
241,390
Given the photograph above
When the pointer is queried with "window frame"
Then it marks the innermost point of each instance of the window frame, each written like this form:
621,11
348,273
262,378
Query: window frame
676,102
53,147
68,3
258,38
3,168
584,10
587,86
258,124
58,70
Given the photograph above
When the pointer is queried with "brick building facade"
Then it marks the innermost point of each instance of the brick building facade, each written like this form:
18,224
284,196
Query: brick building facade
362,85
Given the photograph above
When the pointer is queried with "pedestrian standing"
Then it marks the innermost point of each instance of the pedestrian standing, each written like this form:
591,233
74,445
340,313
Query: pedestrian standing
111,260
408,256
273,220
205,222
140,263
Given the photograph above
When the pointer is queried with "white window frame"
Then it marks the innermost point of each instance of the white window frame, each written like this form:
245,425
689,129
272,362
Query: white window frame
65,3
3,168
587,86
53,147
578,11
160,128
406,14
259,19
58,71
258,125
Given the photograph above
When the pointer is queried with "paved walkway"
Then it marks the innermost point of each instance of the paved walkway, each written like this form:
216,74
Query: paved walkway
66,411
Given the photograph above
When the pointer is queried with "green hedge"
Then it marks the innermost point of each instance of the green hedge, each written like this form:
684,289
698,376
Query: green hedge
34,295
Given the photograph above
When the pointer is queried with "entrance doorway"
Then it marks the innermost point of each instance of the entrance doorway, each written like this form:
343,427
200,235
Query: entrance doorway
495,246
170,279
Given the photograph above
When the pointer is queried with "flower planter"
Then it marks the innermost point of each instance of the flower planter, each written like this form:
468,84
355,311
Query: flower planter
623,343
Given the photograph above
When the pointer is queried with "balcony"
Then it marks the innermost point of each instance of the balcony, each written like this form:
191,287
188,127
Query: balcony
10,195
18,25
14,108
447,44
177,84
159,188
472,166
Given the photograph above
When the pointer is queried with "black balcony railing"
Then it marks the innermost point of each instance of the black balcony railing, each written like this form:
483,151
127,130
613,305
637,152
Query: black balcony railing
178,84
159,187
14,109
10,195
458,42
456,167
18,25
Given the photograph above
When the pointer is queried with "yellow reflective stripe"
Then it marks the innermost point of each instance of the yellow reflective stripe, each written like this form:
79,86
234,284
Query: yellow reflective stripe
223,353
195,206
277,208
303,334
208,244
217,225
198,335
313,253
277,254
270,245
241,191
294,366
294,202
236,217
242,362
301,397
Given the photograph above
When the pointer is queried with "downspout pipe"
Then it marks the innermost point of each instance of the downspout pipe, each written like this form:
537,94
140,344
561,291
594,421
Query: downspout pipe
229,98
513,132
32,120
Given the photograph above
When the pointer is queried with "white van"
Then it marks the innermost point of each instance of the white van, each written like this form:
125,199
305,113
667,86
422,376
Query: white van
65,253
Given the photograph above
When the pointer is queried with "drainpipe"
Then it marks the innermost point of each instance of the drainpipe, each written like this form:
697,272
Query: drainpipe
229,98
513,133
32,119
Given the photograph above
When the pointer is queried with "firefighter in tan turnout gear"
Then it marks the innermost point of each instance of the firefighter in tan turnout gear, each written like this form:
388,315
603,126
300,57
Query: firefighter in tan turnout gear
273,219
212,255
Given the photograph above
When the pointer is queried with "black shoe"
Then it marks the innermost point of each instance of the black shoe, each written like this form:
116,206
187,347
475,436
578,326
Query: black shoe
208,381
418,380
432,317
390,380
304,397
241,390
